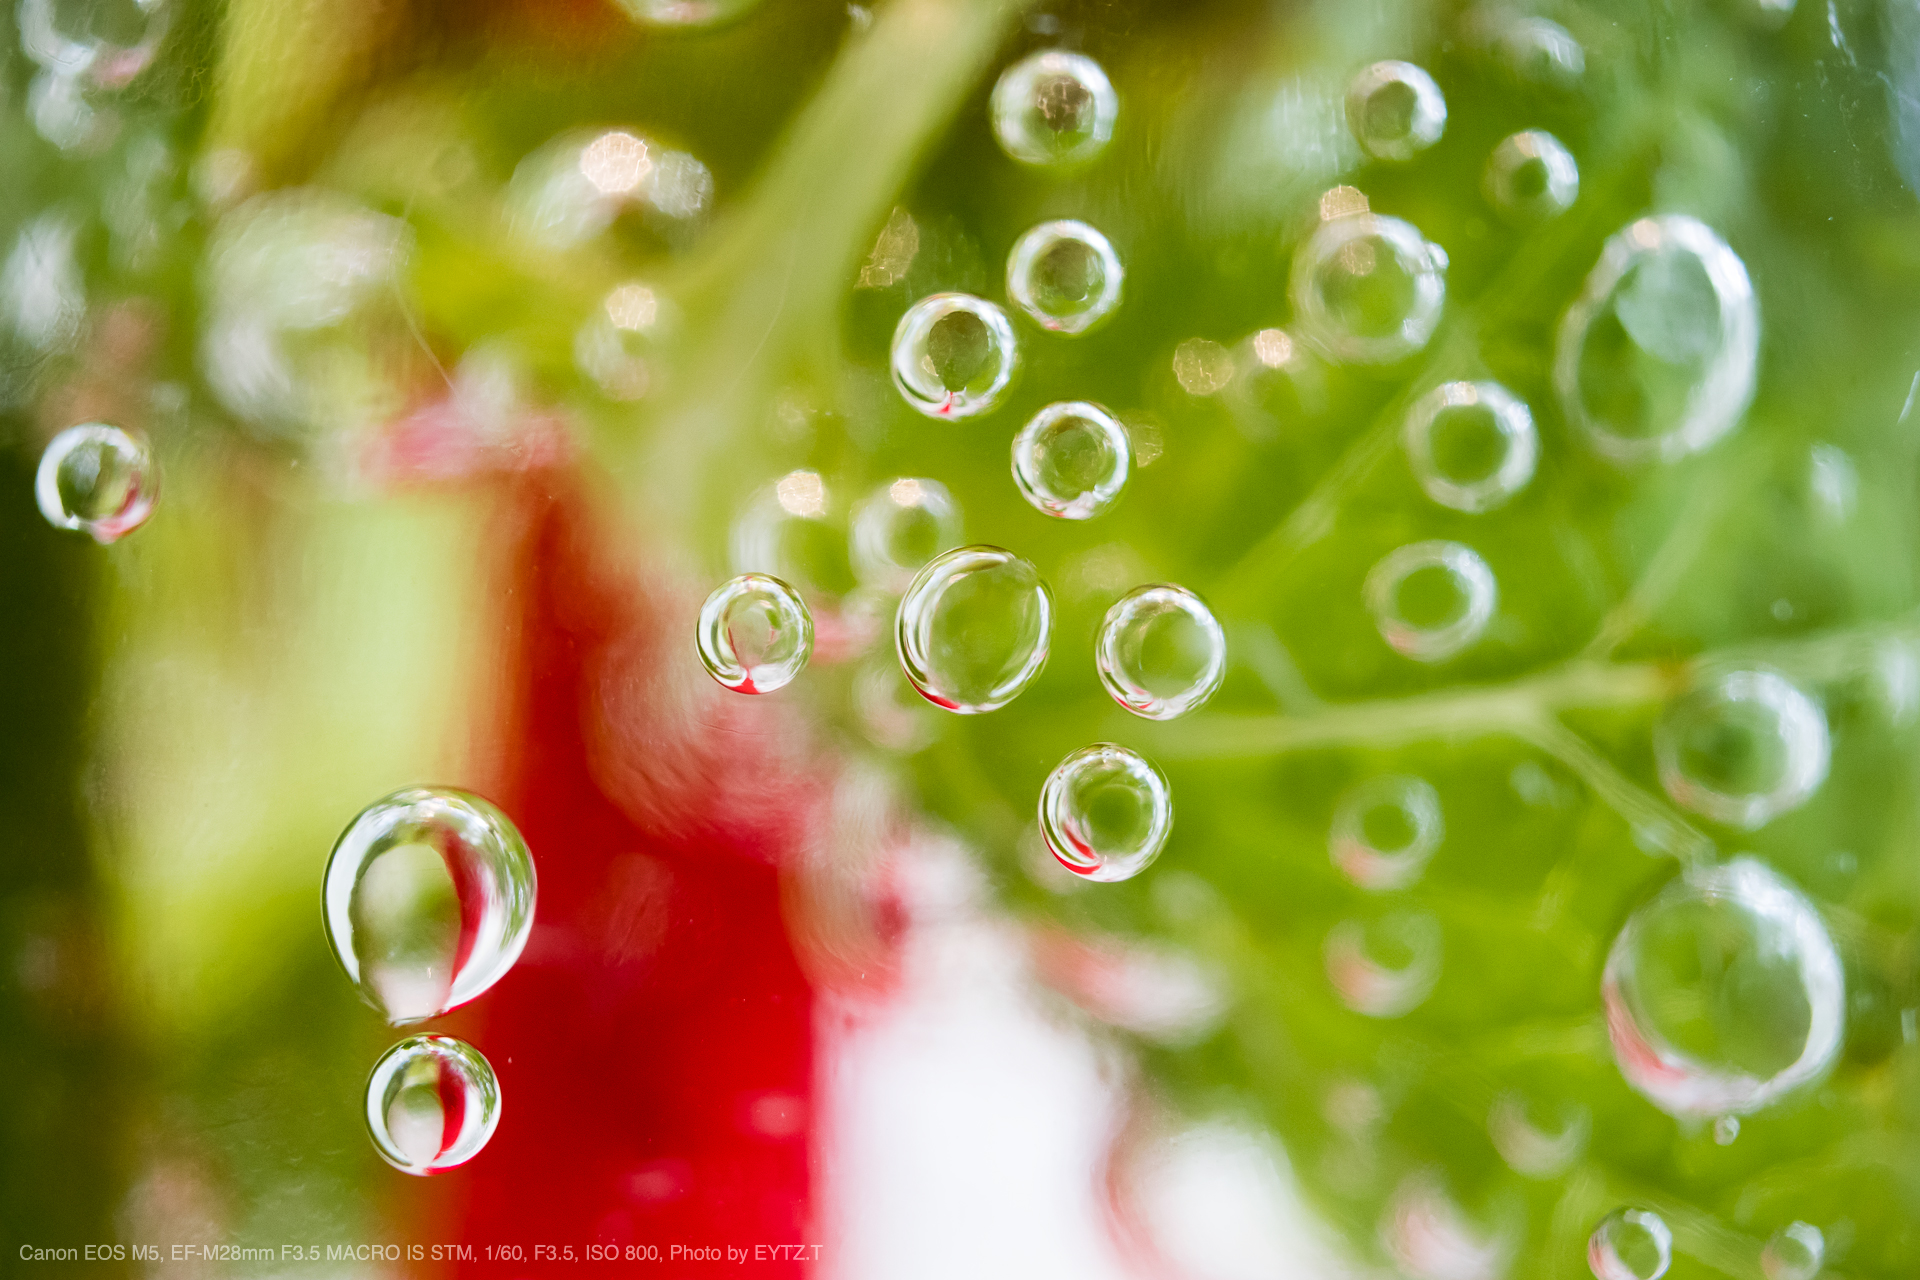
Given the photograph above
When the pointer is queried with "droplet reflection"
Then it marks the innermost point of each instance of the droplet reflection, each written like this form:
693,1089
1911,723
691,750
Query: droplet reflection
98,479
973,629
1630,1244
953,355
1054,108
432,1104
755,634
1105,812
1072,460
1160,652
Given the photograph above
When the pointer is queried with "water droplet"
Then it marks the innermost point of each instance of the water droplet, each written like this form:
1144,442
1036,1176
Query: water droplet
432,1104
1655,359
1742,748
1072,460
1065,275
1725,1130
1430,600
618,346
1105,812
1723,992
1539,50
1429,1237
1530,177
1796,1252
99,479
1395,110
1630,1244
1384,966
902,525
1054,108
1160,652
1471,445
428,898
954,355
1385,830
1368,288
755,634
99,43
1534,1150
973,628
686,13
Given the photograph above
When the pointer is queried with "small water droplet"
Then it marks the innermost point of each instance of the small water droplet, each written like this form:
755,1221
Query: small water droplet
432,1104
1630,1244
1431,600
1725,1130
1742,748
973,628
1054,108
1538,1150
1538,50
1385,830
686,13
1395,110
1429,1237
1160,652
619,344
1655,359
1065,275
1471,445
1368,288
1531,176
1105,812
899,527
1072,460
98,479
1723,992
1384,966
954,355
755,634
1796,1251
428,899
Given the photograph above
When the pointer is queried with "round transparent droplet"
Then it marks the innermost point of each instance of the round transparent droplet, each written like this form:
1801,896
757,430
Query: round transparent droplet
899,527
1535,1140
1794,1252
1053,108
1538,50
1531,177
686,13
1368,289
1656,358
1385,830
103,43
1471,445
1072,460
755,634
973,629
428,899
1385,966
98,479
1431,600
1630,1244
1723,992
954,355
1395,110
1105,812
1065,275
432,1104
1160,652
619,345
1742,748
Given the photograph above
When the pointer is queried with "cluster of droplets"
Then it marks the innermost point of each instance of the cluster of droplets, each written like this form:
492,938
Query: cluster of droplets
428,898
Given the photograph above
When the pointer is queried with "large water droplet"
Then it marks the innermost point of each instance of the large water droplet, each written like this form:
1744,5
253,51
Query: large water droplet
1742,748
1471,445
1065,275
902,525
755,634
1723,992
618,346
1655,359
1385,830
1160,652
102,43
1384,966
954,355
1368,288
1105,812
432,1104
973,628
1795,1252
1536,1145
99,479
428,898
1630,1244
1053,108
1395,110
1530,177
1072,460
686,13
1430,600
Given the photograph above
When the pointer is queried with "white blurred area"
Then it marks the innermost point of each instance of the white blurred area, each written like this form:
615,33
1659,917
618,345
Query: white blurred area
973,1127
